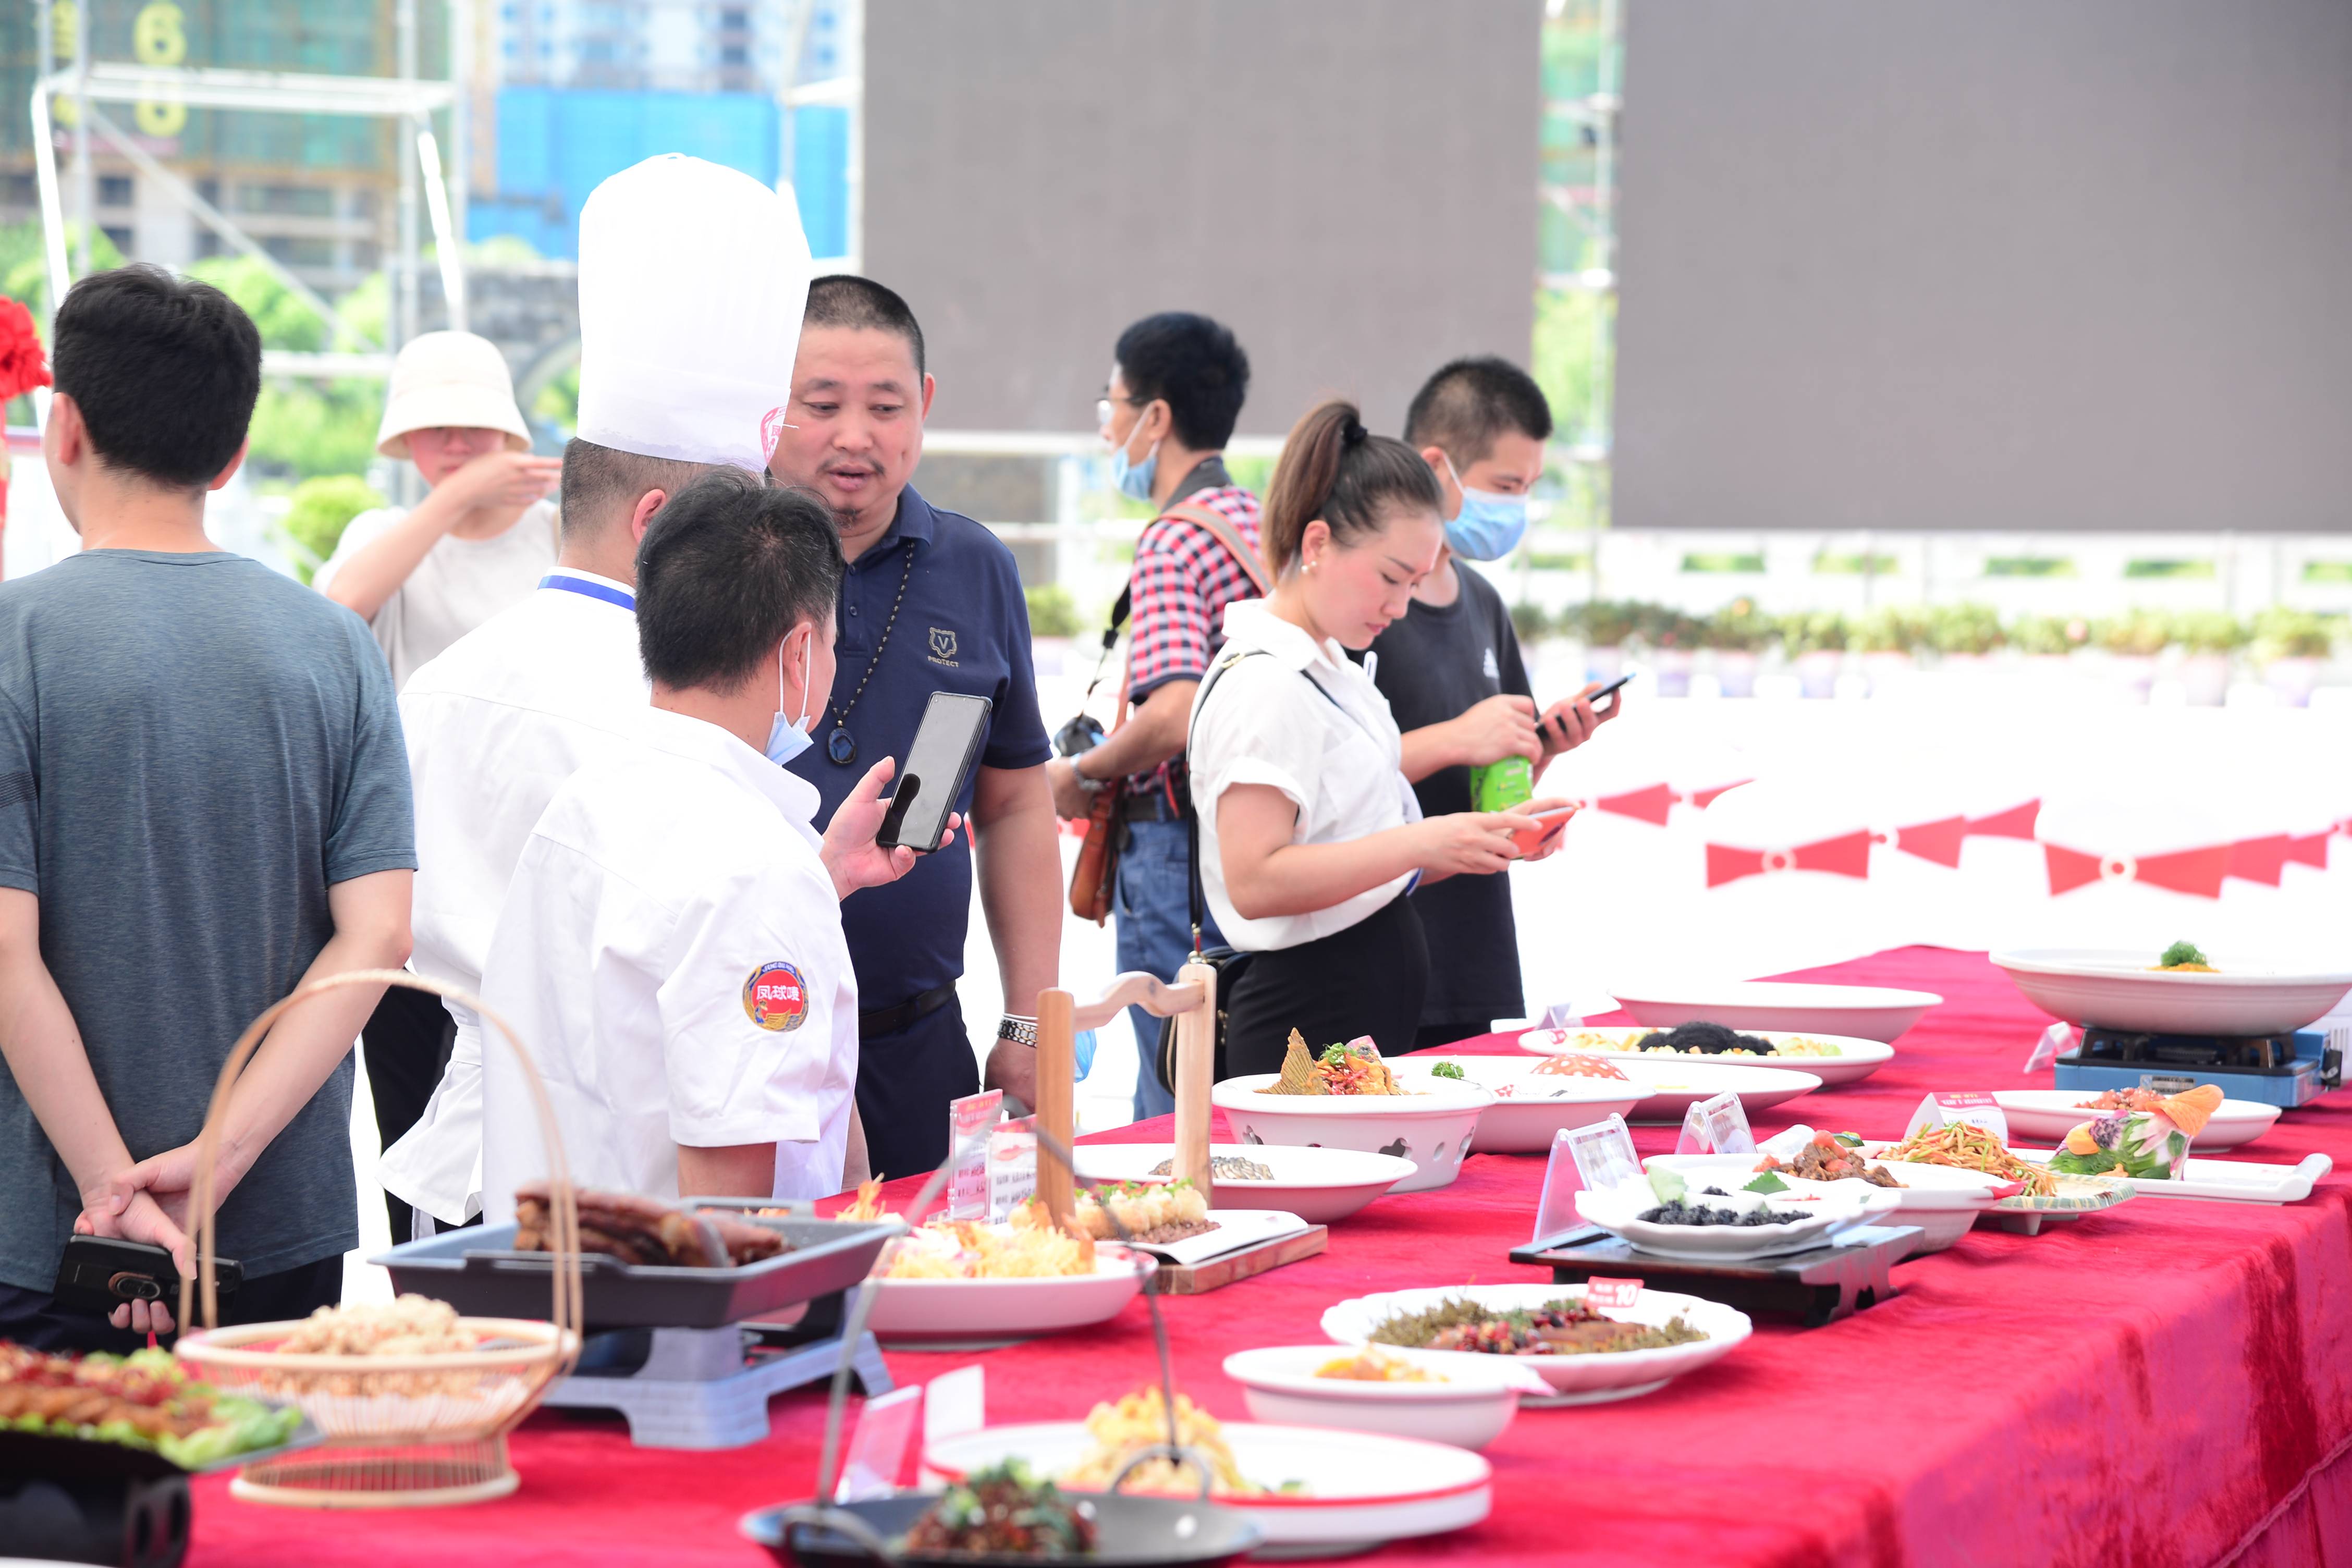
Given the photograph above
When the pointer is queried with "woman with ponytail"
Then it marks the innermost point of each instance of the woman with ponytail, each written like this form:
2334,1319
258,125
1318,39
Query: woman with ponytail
1310,836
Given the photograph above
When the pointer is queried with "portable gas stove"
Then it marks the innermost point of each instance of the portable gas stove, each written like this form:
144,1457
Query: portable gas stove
2284,1069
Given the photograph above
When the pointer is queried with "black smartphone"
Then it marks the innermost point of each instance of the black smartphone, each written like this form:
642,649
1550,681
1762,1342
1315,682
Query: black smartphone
932,779
1595,697
99,1273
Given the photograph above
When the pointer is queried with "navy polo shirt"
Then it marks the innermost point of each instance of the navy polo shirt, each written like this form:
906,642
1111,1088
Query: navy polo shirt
963,626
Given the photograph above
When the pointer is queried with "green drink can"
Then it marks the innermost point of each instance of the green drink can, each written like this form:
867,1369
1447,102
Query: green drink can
1499,786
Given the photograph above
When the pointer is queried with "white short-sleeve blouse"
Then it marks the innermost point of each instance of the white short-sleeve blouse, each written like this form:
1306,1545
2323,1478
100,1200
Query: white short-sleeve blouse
1293,714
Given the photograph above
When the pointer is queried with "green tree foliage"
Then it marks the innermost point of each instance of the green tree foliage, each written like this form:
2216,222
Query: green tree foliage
1052,612
302,429
322,508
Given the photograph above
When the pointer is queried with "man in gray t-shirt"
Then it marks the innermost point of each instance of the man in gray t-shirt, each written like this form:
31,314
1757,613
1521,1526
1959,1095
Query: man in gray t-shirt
204,800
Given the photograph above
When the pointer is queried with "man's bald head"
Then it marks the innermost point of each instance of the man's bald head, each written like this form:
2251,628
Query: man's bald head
603,486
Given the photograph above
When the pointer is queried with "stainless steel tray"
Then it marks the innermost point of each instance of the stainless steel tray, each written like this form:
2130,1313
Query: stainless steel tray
477,1271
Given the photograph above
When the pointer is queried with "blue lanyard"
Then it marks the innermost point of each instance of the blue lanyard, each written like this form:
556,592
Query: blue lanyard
611,596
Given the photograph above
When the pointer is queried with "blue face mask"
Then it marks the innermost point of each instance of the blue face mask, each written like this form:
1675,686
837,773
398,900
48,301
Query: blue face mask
1489,526
1133,479
788,738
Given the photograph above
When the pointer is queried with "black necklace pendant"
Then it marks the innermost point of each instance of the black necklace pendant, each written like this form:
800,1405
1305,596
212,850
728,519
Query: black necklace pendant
841,746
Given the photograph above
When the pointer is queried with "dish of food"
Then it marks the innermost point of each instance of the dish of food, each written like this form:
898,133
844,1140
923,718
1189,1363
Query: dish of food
1969,1148
1353,1487
1129,1532
2047,1115
1145,1212
1829,1158
644,1231
2183,958
1355,1067
1127,1427
143,1400
407,1325
1369,1365
1674,1084
1027,1246
1429,1124
1004,1509
1717,1224
1831,1058
1874,1012
1465,1401
2147,1143
1942,1201
1664,1335
2118,989
1534,1101
1320,1186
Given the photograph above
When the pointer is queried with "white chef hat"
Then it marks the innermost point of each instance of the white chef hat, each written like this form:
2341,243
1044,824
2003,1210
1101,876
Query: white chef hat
693,278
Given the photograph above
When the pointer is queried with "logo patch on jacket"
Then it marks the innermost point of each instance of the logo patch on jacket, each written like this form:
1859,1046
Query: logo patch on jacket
943,647
776,998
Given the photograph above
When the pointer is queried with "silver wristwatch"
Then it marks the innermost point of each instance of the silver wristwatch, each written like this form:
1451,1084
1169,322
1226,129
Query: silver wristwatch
1019,1030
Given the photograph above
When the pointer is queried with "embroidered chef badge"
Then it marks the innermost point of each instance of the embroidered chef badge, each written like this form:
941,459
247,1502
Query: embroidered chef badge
776,998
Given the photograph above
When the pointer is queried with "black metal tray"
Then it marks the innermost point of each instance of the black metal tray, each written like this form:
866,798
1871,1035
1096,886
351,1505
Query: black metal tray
1131,1532
477,1271
1818,1285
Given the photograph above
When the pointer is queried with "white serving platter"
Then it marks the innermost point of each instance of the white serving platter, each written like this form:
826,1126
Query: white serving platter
963,1313
2117,989
1236,1228
1321,1186
2224,1181
1812,1218
1856,1057
1531,1107
1593,1379
1754,1006
1362,1487
2052,1113
1430,1127
1944,1202
1470,1405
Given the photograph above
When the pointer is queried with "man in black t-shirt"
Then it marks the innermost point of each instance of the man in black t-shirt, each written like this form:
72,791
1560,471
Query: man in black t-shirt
1453,675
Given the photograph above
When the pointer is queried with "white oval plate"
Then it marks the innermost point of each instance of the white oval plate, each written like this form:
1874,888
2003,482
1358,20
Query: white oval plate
1856,1057
1364,1488
1432,1128
1469,1409
1575,1379
2052,1113
1677,1083
1944,1202
965,1309
1812,1216
1530,1107
1319,1186
1754,1006
2117,988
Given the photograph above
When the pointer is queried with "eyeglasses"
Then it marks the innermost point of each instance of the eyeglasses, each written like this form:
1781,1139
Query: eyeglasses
1104,405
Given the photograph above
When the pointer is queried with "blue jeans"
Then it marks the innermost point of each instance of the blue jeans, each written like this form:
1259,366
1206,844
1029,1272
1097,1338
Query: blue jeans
1155,935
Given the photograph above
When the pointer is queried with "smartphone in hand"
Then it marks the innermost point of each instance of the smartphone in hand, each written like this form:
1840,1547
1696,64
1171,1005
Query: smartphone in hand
99,1273
1547,826
931,781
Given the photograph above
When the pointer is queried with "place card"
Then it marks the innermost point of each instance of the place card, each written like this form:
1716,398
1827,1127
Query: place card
878,1452
954,1403
2056,1040
1716,1126
1012,1166
1600,1292
1959,1108
1598,1156
968,1119
1561,1015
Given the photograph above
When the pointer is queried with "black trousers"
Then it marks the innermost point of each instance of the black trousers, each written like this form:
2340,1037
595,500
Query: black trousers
905,1081
34,1319
406,1042
1432,1035
1367,980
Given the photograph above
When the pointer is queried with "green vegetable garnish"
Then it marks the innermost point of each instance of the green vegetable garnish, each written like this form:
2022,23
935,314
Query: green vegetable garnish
1848,1139
2182,952
1668,1185
1448,1069
1766,1183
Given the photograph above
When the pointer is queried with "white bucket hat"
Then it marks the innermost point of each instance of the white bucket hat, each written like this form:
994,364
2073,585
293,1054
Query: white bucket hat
449,379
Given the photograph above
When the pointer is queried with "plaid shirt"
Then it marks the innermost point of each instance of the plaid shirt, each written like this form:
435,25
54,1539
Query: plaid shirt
1184,578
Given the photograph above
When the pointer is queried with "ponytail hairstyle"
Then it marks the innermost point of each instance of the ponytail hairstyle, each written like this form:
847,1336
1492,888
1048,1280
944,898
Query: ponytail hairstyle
1332,467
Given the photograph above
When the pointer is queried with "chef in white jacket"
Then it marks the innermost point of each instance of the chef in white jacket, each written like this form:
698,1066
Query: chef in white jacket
670,946
693,279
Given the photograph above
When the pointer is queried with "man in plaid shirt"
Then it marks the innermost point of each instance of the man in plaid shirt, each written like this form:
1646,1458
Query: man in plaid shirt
1176,388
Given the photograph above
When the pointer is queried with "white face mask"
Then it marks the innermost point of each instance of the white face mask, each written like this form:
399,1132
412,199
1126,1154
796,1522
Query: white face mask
788,738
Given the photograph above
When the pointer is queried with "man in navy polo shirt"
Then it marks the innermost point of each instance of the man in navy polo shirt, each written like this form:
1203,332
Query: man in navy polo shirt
932,603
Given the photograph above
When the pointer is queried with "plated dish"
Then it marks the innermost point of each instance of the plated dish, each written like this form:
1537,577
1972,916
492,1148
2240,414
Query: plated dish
1831,1058
1430,1123
1665,1334
1677,1083
1866,1012
2046,1115
1129,1531
1943,1203
1319,1186
963,1309
2127,988
1466,1401
1708,1222
1534,1100
144,1402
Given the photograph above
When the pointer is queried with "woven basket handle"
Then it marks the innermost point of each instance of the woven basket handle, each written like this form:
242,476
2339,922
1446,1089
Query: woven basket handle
562,1203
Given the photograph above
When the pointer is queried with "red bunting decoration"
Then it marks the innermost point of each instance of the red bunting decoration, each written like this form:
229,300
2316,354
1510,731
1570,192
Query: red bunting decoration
1653,804
1939,840
2197,872
1703,798
2309,849
2017,822
2259,859
1847,855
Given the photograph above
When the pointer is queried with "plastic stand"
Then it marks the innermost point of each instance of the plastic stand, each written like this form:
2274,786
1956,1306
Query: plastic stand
708,1388
1819,1286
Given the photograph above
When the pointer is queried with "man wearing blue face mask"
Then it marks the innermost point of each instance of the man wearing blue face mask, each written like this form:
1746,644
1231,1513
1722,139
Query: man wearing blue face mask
1453,675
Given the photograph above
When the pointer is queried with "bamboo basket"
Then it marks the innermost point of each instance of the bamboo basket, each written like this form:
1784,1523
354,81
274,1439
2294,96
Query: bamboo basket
402,1431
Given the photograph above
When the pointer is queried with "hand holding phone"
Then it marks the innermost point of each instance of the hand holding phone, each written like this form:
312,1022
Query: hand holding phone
939,763
106,1274
1545,835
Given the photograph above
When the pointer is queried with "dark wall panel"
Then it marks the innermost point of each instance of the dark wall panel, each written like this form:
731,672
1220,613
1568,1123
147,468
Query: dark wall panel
2006,264
1351,185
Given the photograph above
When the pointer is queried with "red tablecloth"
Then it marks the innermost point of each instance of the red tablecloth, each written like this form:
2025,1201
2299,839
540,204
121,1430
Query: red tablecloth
2166,1384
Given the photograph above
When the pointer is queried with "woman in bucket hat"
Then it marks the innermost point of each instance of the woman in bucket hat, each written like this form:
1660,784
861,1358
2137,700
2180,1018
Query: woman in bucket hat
481,541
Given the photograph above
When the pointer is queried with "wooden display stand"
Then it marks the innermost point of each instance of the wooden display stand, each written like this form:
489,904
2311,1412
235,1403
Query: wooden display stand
1193,1003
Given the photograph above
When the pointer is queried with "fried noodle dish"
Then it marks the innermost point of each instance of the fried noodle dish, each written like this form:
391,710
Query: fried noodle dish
1138,1422
1967,1148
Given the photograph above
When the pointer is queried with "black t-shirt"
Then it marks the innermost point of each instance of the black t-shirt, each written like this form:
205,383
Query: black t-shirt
1435,665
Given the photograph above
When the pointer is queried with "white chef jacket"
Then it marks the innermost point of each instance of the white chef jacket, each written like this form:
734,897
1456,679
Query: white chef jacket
671,951
494,727
1335,753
